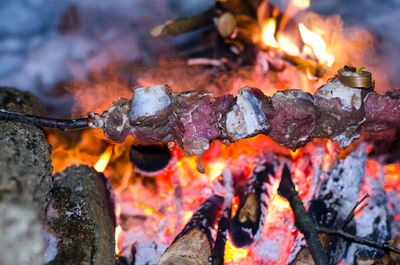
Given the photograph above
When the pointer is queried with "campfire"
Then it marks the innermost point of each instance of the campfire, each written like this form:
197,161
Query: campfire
279,147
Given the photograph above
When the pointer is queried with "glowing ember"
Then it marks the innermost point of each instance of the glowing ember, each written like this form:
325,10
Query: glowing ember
216,169
317,44
102,163
233,254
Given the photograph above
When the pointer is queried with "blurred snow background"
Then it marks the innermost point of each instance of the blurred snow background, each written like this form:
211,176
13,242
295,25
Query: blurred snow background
39,50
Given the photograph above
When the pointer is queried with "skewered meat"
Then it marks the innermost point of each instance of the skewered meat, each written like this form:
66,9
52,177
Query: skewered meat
382,111
246,117
295,119
340,112
197,118
150,114
292,117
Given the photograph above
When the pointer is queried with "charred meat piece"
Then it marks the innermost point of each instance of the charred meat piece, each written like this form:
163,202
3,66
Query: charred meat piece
382,111
114,121
150,113
197,119
294,120
340,112
246,118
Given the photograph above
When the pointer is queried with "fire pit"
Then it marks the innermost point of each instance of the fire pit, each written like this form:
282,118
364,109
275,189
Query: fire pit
260,152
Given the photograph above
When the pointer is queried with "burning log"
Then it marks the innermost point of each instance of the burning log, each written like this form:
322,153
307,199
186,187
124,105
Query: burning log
25,180
194,244
249,219
80,218
333,201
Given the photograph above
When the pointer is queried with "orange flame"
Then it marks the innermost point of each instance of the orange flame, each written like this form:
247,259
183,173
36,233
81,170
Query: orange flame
268,31
287,45
102,163
317,44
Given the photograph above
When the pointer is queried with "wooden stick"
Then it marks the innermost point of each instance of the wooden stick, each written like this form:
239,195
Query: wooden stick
194,244
250,216
42,121
302,219
224,221
357,239
183,25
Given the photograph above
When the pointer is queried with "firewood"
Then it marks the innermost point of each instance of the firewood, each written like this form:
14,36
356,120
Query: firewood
249,219
25,180
333,201
80,218
223,221
183,25
302,219
194,244
25,166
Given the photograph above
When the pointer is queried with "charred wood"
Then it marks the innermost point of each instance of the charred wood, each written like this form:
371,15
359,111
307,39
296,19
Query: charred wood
249,219
45,122
372,223
224,221
80,218
302,219
333,201
194,244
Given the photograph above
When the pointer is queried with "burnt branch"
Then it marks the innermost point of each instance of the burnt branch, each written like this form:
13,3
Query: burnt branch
224,221
302,219
357,239
60,124
351,213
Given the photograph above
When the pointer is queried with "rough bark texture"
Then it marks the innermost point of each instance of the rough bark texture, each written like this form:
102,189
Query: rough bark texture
25,181
21,240
80,218
25,165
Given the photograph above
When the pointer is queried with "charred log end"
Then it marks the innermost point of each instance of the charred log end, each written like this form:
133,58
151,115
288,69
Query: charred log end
246,218
192,248
250,211
149,159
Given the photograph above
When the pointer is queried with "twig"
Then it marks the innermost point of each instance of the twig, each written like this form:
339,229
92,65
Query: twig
302,219
183,25
357,239
42,121
351,213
